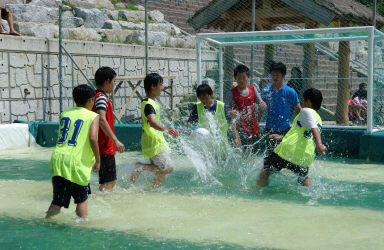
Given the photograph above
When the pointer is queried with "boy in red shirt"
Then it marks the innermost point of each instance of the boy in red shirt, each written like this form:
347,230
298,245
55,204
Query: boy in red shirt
108,143
241,101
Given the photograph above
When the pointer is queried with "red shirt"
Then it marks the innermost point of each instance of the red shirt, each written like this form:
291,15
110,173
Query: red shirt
246,106
106,146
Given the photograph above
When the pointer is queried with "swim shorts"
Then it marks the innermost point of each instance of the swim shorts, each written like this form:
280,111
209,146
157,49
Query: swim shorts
274,163
63,189
107,172
163,160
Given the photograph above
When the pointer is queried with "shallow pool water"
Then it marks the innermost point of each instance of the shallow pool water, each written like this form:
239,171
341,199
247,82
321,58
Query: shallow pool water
197,208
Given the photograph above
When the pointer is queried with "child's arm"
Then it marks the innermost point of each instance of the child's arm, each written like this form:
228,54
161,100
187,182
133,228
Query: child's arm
108,131
94,131
236,135
152,122
319,145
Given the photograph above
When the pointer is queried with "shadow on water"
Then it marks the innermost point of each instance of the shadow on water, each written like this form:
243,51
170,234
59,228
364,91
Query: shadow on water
39,234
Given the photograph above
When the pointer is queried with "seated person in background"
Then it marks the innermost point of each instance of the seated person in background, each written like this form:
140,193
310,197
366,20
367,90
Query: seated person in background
208,104
362,89
7,15
296,82
297,148
241,101
357,107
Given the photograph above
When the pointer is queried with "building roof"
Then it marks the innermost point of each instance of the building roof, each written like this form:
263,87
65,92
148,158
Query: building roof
321,11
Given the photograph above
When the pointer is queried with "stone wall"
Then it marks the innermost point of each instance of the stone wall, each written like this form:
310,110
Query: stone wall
29,74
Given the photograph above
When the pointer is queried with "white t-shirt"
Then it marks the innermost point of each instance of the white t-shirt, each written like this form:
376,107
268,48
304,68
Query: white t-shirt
306,119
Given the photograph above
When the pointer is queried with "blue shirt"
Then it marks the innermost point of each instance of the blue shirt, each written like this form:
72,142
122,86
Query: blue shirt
279,105
193,117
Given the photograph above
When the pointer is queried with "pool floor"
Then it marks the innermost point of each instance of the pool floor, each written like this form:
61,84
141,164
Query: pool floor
344,208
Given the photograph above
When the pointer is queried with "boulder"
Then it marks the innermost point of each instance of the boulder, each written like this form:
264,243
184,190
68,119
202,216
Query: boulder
114,36
44,30
154,38
112,14
93,18
181,42
72,22
140,7
156,16
46,3
4,2
92,3
132,26
132,15
120,5
112,25
81,33
33,13
165,27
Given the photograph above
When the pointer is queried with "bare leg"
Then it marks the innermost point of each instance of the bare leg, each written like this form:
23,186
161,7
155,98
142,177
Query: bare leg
82,209
2,31
52,211
142,166
160,177
307,182
10,23
263,178
107,186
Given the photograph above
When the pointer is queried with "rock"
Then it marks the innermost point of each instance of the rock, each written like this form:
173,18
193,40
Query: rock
44,30
154,38
132,15
181,42
92,3
114,36
72,22
156,16
112,25
33,13
4,2
93,18
120,5
46,3
165,27
132,26
140,7
81,33
112,14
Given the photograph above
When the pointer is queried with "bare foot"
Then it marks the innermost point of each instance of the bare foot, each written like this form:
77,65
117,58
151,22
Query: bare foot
3,32
14,33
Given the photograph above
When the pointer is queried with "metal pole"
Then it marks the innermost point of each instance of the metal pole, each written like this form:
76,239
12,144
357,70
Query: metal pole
146,37
371,45
221,75
198,62
60,60
252,47
374,13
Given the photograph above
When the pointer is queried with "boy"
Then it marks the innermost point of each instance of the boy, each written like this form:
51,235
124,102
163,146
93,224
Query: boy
75,153
105,81
279,99
153,143
241,101
208,104
297,149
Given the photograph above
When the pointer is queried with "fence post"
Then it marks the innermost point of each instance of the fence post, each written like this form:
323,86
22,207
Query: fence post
371,45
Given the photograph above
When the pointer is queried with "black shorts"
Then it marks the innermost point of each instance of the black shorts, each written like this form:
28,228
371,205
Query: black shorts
107,171
274,163
249,141
4,14
272,143
64,189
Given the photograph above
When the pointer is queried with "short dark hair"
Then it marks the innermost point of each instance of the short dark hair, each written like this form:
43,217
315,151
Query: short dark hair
315,96
279,67
204,89
362,85
82,93
102,74
241,69
152,79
